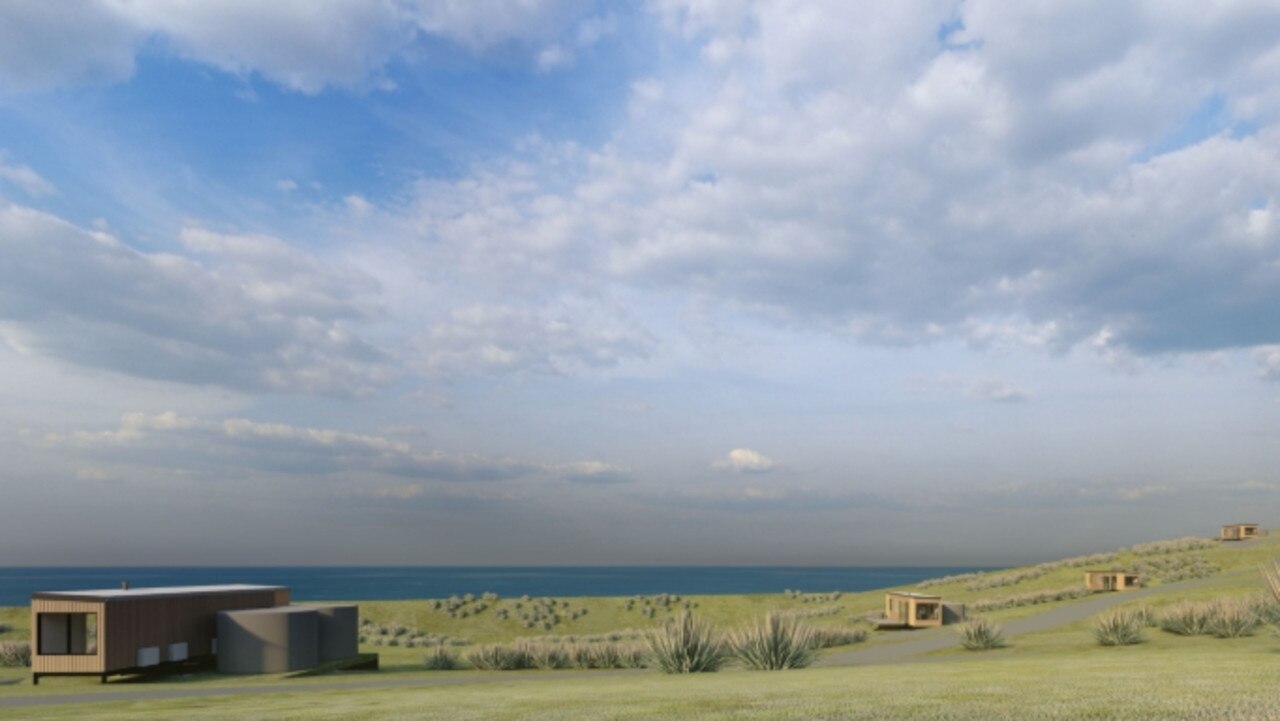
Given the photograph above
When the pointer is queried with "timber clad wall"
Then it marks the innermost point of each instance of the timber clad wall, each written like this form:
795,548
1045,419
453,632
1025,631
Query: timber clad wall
67,663
127,623
138,623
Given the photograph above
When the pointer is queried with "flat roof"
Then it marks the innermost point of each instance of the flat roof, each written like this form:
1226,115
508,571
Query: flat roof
1229,525
1115,570
913,594
112,594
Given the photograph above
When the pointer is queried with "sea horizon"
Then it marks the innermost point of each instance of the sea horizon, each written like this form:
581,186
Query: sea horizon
406,582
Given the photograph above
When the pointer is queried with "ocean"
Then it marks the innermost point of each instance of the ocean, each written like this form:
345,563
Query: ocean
352,583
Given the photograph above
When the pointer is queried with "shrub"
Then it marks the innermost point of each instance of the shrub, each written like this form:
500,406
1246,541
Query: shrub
1233,618
829,636
1145,615
1118,628
15,653
1185,619
1030,598
499,658
778,642
686,645
1271,578
5,628
548,655
978,634
440,658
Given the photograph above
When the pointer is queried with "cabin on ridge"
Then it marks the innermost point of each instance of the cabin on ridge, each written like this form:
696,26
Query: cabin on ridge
1111,580
1239,532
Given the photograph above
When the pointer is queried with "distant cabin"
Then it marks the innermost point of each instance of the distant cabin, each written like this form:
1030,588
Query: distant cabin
247,629
1111,580
1240,532
912,610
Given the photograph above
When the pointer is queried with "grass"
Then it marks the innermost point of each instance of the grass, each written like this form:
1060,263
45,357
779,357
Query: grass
687,645
1119,628
980,634
1060,673
774,643
1230,681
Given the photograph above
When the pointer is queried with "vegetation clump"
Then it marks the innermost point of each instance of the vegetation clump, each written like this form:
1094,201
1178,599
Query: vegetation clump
1185,619
1232,618
440,658
777,642
15,654
1122,627
1175,568
1031,598
831,636
687,645
497,657
979,634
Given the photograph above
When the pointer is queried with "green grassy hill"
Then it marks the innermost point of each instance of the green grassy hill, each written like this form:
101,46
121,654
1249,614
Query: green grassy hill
1060,672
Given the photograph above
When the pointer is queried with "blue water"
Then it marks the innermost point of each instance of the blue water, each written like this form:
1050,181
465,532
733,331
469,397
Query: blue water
314,583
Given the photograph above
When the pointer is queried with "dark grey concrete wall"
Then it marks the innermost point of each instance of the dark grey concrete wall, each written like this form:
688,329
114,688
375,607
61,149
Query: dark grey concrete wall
268,640
339,632
952,612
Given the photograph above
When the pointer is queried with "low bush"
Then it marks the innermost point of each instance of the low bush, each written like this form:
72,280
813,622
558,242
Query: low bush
1232,618
777,642
499,658
1122,627
5,628
15,653
1031,598
830,636
978,634
686,645
1177,545
1185,619
440,659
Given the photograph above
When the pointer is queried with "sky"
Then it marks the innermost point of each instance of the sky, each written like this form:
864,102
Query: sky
667,282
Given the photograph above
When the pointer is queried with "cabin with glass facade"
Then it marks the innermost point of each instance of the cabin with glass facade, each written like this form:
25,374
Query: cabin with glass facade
117,631
1239,532
1111,580
904,609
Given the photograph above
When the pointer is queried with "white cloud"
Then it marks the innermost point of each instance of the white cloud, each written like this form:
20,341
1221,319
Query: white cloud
303,450
304,45
595,473
1001,188
24,178
501,339
244,311
998,391
745,460
1268,358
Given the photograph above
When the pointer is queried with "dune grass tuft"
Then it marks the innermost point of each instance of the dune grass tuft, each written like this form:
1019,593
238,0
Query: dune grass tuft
687,645
440,658
15,654
1122,627
776,642
980,634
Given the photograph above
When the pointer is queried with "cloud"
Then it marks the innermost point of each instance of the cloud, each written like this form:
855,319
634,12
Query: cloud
1024,192
52,45
293,449
246,312
28,180
303,45
745,460
591,473
1268,359
998,391
502,339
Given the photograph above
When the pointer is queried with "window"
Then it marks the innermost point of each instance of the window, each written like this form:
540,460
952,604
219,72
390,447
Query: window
68,634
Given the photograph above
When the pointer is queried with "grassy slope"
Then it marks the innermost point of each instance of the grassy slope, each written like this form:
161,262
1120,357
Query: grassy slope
1057,673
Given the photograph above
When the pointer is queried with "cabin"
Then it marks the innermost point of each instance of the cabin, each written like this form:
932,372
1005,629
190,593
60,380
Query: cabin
128,630
1239,532
911,610
137,630
1111,580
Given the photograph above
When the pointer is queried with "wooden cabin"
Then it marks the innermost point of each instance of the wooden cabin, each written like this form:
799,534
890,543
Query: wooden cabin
1111,580
1239,532
116,631
912,610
